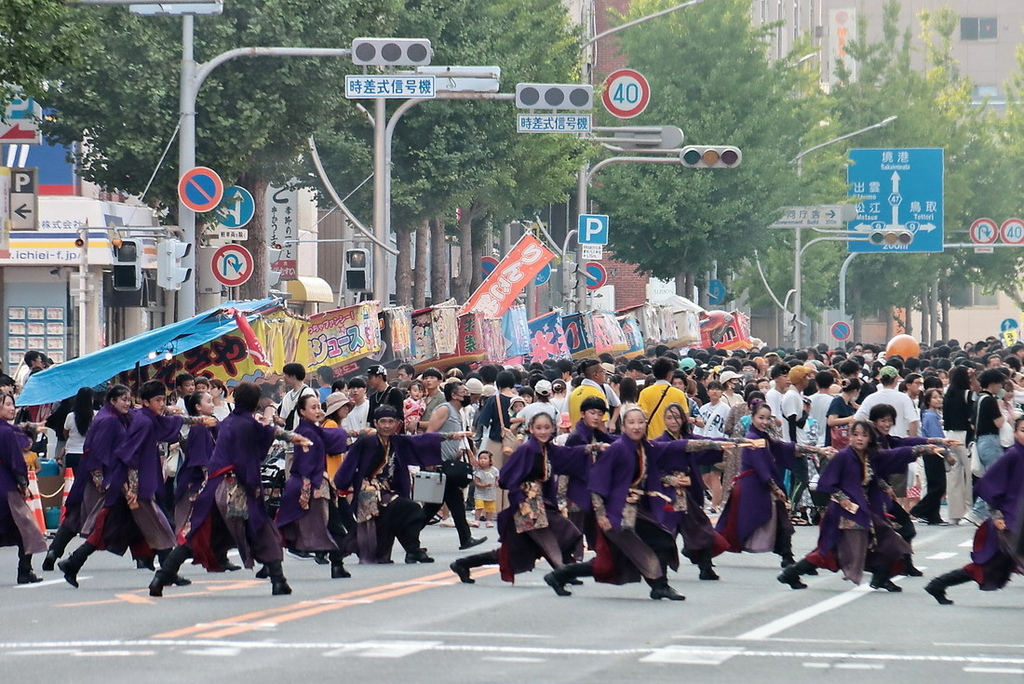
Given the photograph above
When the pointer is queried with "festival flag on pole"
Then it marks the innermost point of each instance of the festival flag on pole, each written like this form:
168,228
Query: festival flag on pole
252,344
520,266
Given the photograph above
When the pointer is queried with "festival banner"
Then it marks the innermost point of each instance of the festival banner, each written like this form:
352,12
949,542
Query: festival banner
513,273
724,330
578,334
398,332
633,334
516,332
607,333
344,335
547,338
423,347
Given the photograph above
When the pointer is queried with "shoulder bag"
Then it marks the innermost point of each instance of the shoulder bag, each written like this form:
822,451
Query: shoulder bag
510,441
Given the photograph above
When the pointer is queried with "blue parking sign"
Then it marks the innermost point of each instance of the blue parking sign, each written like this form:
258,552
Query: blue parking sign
592,229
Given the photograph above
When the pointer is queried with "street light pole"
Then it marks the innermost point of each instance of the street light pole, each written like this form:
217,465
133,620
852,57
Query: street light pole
797,248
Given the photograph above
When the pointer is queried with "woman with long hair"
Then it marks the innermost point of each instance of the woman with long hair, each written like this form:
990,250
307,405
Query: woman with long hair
927,509
957,412
756,517
76,426
855,533
533,527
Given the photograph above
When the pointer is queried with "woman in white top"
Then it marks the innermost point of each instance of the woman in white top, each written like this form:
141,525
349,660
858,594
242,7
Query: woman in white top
221,406
76,425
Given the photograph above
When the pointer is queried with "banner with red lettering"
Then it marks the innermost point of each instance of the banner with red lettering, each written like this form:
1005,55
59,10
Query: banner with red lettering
513,273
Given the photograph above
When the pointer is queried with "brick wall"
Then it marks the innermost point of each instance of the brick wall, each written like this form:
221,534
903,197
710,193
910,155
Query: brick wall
630,286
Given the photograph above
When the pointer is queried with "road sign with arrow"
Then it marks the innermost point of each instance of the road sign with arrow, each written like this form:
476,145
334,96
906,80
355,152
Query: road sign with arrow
24,202
232,265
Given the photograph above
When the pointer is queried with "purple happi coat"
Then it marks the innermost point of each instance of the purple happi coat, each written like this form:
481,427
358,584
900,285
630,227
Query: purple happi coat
1002,487
17,526
198,451
140,451
750,504
577,490
364,457
309,463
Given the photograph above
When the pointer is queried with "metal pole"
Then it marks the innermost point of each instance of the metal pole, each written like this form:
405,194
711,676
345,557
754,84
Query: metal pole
380,171
564,271
842,284
186,160
582,187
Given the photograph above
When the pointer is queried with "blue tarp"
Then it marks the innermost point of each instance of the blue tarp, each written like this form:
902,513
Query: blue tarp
63,380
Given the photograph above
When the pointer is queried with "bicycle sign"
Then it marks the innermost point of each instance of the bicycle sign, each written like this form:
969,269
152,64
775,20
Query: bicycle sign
626,93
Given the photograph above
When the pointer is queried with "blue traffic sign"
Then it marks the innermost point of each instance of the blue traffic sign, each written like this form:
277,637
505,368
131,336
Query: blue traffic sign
900,199
1008,324
200,189
841,331
716,292
236,208
544,275
592,229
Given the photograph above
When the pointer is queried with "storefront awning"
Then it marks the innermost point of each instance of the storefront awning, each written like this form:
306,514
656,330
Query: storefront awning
310,289
64,380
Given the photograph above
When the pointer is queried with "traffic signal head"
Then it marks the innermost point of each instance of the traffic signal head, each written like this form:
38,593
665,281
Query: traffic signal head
891,238
391,52
170,273
357,270
710,157
127,266
554,96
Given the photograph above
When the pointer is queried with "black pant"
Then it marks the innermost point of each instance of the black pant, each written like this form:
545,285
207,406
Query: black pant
935,478
456,502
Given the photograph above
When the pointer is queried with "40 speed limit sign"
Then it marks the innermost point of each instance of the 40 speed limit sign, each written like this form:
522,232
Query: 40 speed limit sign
626,93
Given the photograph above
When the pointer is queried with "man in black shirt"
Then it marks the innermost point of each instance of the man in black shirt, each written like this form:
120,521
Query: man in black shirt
380,392
988,419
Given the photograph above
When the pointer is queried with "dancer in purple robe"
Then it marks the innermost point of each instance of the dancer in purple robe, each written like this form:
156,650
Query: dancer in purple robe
589,430
628,484
685,515
532,527
376,471
131,517
756,518
855,533
229,511
995,556
17,524
85,500
309,519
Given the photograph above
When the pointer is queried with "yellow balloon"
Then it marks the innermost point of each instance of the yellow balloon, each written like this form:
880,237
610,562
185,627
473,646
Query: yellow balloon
904,345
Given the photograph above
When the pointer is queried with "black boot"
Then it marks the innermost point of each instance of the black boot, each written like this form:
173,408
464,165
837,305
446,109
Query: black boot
787,560
908,567
25,574
170,562
278,584
882,580
74,563
937,587
462,566
60,542
791,574
338,570
164,556
568,574
263,573
419,556
661,590
707,567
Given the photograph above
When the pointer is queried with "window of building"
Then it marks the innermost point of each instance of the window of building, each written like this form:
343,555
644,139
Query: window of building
972,296
978,28
989,94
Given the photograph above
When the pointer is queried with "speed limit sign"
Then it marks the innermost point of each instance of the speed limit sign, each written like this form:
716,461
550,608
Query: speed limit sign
1012,231
626,93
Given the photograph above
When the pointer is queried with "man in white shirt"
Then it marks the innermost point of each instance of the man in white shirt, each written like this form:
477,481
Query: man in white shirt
820,402
907,422
773,397
794,411
294,377
358,417
542,404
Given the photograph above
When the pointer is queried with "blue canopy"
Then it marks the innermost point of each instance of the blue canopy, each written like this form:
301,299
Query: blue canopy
64,380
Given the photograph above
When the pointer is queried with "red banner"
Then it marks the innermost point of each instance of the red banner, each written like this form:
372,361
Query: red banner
520,266
252,343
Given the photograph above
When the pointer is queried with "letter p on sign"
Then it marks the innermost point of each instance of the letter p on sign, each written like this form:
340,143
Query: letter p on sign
592,229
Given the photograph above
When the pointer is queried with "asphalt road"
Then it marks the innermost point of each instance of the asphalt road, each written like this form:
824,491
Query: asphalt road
416,623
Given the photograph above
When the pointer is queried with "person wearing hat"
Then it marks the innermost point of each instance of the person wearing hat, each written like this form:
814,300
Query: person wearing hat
907,419
337,407
542,402
380,392
729,380
376,471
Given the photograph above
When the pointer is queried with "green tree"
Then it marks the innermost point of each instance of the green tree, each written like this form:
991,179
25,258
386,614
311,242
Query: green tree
29,48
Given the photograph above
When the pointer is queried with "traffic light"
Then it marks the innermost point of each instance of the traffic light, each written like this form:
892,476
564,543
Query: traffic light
273,256
127,266
357,270
711,157
170,274
554,96
891,237
391,52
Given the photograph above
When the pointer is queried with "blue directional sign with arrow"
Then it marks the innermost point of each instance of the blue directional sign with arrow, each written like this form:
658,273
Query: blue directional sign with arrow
900,199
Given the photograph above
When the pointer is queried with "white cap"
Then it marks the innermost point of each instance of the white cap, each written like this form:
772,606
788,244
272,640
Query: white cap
543,387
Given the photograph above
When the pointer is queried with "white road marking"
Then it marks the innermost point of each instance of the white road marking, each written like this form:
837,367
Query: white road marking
480,635
969,544
943,556
112,654
968,644
221,651
859,666
995,670
512,659
700,637
45,583
383,649
793,619
692,655
818,666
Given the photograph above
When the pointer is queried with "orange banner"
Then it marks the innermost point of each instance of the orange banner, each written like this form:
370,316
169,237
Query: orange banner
499,290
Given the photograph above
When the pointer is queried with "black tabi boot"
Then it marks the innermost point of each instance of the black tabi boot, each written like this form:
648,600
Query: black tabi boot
61,538
908,567
263,572
462,566
170,562
338,570
707,567
419,556
278,584
74,563
882,580
568,574
937,587
25,574
791,574
164,555
661,590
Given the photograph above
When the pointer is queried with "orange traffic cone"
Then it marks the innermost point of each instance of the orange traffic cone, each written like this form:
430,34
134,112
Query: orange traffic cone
36,503
69,481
